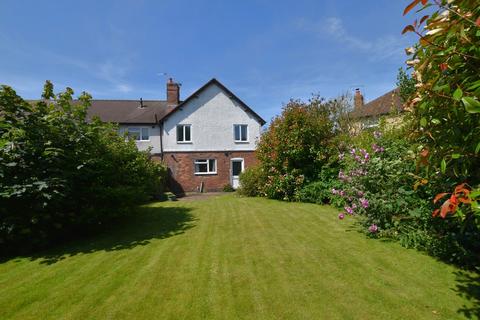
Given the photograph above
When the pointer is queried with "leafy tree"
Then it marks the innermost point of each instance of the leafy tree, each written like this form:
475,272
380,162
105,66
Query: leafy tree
406,85
59,173
446,104
295,146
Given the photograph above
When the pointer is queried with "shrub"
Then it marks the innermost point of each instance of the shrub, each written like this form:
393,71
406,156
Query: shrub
60,173
252,182
283,186
320,191
380,185
295,145
228,188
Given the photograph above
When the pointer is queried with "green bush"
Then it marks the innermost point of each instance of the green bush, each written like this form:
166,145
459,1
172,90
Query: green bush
228,188
380,185
320,191
59,173
252,182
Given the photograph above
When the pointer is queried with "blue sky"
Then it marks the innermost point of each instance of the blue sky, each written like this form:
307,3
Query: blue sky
265,51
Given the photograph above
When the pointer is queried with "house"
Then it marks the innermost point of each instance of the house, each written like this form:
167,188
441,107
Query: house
206,140
368,115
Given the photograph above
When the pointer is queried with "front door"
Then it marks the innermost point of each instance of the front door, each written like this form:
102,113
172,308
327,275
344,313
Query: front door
237,168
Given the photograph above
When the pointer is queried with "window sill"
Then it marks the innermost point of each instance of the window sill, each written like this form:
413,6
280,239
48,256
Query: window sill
205,173
184,142
242,142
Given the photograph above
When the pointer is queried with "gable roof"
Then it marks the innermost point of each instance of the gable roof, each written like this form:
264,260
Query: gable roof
229,93
380,106
129,111
151,111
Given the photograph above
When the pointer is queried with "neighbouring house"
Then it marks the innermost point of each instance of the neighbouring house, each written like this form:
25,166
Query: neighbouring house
367,115
206,140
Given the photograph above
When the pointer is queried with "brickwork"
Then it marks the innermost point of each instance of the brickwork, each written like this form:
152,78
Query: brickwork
182,177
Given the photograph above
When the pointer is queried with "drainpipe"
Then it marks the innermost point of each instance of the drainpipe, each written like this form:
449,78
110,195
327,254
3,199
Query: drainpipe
161,139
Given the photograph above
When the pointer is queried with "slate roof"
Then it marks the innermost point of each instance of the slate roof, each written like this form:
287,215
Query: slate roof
129,111
380,106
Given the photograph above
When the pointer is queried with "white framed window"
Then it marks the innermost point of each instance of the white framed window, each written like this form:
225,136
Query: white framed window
240,132
138,134
205,166
184,133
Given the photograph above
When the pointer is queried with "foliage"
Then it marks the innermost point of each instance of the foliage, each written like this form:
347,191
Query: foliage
446,104
228,188
319,191
379,184
295,145
406,85
59,172
252,181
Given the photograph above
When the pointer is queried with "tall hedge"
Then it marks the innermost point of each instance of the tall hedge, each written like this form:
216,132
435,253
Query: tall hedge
60,173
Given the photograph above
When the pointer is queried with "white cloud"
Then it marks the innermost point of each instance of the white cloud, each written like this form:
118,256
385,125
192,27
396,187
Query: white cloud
383,47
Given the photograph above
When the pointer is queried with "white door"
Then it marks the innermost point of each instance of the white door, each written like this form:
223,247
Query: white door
237,168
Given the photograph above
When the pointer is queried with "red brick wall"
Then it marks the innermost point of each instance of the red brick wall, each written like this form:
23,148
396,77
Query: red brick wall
182,169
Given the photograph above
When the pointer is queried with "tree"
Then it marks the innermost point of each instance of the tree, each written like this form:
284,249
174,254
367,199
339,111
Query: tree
295,146
59,172
446,103
406,85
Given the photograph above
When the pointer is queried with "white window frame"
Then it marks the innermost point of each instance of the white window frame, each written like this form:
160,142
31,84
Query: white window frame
139,130
207,162
183,129
247,133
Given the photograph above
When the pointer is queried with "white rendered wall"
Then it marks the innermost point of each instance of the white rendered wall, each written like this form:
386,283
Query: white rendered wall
211,116
154,132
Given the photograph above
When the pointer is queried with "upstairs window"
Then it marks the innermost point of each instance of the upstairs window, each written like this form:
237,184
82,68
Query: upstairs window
138,134
206,166
184,133
240,132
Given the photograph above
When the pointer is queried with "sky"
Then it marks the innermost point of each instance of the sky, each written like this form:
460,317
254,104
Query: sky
266,52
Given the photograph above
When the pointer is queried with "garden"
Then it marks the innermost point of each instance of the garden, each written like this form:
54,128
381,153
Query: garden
317,230
416,180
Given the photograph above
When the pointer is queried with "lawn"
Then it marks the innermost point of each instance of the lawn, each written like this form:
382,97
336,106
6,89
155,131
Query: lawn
234,258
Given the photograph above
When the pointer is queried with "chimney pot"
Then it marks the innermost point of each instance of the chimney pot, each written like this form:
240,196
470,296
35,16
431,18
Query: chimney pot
358,99
173,93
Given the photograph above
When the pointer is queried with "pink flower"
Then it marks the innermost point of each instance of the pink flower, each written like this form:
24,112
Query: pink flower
348,210
354,206
377,149
334,191
373,228
341,216
377,134
364,202
360,193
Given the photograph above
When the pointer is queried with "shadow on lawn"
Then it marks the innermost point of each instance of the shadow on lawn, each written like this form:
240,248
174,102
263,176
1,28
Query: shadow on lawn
468,287
137,229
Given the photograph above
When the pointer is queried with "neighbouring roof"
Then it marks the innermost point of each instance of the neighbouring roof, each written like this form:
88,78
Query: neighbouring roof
129,111
380,106
228,92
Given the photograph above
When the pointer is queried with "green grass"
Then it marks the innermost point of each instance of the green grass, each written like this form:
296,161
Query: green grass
234,258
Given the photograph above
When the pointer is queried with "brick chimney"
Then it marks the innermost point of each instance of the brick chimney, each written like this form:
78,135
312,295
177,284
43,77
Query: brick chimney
358,99
173,92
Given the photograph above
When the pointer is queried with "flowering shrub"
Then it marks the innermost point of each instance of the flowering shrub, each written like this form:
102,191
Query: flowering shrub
377,184
295,146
